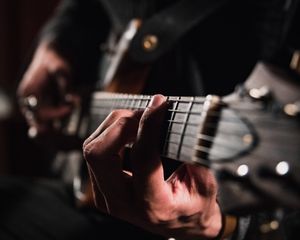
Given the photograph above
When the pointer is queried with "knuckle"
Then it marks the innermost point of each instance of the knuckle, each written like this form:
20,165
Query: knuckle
160,214
126,124
89,151
152,118
147,119
123,122
125,127
158,217
85,143
115,114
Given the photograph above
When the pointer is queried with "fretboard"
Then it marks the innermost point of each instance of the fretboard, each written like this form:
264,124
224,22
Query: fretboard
190,126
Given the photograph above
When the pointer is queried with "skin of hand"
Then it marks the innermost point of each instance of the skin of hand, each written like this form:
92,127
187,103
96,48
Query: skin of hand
46,78
184,206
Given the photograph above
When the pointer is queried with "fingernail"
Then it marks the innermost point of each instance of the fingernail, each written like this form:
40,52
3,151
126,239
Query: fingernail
157,100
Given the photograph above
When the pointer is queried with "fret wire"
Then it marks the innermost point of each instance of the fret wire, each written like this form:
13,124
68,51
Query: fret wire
126,102
147,102
117,103
184,127
174,104
132,103
113,107
129,102
140,103
169,126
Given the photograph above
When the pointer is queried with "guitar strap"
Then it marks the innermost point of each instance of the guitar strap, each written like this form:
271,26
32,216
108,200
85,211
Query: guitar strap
160,32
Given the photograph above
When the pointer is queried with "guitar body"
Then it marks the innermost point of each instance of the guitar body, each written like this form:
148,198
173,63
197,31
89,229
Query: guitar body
122,76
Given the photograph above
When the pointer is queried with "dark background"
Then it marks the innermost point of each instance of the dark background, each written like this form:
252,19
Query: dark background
20,22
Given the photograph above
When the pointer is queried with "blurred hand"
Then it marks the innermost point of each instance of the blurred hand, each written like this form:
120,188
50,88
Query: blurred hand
182,206
43,90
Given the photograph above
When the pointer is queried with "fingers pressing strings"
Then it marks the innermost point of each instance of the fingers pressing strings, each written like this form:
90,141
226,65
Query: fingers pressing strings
146,163
111,118
102,152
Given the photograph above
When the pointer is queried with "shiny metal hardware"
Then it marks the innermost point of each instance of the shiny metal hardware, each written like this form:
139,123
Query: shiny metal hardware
150,42
242,170
248,139
282,168
292,109
32,132
295,62
259,93
269,227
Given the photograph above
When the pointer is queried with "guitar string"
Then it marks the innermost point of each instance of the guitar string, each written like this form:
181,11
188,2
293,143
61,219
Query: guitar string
123,104
132,99
211,124
119,97
212,113
200,136
208,138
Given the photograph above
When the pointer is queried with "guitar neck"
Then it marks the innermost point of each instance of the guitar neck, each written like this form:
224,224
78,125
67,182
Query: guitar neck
250,140
189,130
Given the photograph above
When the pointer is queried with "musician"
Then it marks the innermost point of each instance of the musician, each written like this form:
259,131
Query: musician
211,58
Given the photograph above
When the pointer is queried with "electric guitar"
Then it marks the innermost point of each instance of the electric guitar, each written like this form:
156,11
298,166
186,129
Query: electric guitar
250,139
